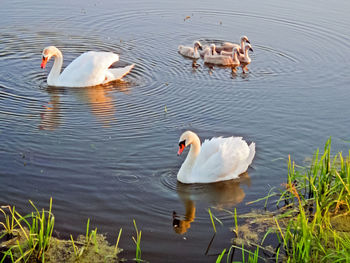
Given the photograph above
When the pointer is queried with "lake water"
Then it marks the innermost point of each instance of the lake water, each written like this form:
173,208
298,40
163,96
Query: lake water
109,153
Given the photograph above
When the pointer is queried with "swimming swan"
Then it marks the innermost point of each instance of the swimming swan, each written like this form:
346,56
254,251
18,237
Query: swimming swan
191,52
222,60
206,49
228,46
218,159
244,58
89,69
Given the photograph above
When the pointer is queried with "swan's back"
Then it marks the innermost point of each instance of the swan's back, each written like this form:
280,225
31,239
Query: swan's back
222,159
218,60
89,69
228,47
188,52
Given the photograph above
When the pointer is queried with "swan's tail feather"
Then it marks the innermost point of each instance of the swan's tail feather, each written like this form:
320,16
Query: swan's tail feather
251,153
119,73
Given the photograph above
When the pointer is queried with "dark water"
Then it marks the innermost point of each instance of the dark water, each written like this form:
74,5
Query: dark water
109,153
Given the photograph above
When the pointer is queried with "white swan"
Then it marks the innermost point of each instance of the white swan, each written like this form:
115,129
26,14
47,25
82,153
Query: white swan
218,159
89,69
191,52
222,60
228,46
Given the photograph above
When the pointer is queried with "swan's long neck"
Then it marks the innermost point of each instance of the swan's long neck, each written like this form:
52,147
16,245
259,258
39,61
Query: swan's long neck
246,54
186,168
56,68
194,151
235,57
243,45
196,52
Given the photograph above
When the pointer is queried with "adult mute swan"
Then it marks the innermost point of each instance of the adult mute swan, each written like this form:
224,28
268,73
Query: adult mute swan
191,52
228,46
218,159
89,69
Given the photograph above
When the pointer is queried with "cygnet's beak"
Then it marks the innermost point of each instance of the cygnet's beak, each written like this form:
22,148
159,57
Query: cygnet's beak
247,41
200,47
43,62
251,49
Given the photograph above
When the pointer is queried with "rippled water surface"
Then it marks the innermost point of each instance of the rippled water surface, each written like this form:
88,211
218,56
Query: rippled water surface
109,153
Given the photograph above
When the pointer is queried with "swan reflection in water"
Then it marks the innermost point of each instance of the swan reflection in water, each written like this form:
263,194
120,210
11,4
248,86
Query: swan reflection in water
50,118
224,194
98,98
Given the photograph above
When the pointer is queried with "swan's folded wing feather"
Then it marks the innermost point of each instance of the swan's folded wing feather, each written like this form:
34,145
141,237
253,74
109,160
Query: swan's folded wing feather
237,156
118,73
88,69
221,159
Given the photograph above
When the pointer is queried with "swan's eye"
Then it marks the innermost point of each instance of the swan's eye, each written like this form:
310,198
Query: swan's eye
182,143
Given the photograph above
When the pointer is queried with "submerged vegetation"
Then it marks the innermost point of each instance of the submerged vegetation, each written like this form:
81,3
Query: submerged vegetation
312,220
311,223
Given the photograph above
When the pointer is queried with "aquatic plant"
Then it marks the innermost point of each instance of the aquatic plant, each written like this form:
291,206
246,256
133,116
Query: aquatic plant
137,243
212,220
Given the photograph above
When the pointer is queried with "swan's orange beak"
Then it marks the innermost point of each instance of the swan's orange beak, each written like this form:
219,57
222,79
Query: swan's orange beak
181,148
43,62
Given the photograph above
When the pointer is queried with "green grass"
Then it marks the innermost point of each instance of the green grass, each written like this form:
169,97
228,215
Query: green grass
137,241
9,224
313,224
318,194
29,239
212,220
34,232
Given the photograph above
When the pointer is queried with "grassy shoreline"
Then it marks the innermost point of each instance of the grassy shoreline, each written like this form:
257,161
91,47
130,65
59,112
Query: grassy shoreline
29,239
312,218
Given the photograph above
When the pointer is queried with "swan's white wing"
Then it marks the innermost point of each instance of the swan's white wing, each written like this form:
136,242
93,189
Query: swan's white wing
89,69
222,159
118,73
